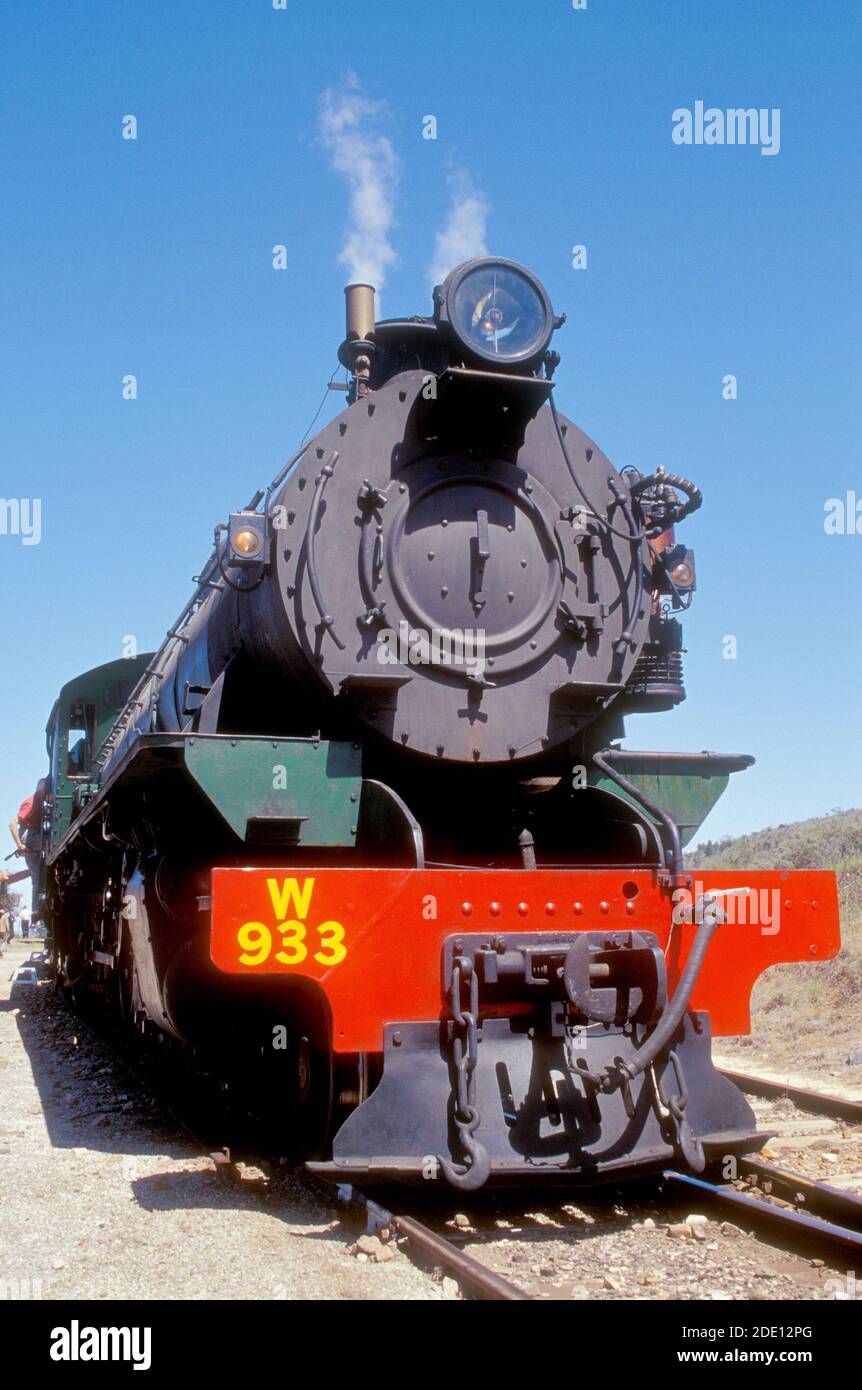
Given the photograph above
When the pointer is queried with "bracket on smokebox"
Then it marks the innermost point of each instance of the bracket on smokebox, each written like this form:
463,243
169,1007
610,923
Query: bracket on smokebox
491,408
600,977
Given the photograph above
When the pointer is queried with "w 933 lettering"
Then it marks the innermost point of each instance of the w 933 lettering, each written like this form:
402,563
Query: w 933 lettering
289,938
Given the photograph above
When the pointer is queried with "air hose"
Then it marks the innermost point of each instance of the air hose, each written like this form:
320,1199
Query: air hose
673,1015
694,496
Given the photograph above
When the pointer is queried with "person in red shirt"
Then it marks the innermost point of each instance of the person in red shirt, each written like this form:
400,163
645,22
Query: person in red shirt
26,827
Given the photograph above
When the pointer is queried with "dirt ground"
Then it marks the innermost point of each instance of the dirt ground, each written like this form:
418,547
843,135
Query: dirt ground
103,1198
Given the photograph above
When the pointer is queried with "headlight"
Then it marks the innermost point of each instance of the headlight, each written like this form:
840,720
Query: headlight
246,538
247,542
497,311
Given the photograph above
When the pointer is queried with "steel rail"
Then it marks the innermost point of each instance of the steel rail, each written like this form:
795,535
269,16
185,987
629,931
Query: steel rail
818,1102
791,1224
470,1273
804,1193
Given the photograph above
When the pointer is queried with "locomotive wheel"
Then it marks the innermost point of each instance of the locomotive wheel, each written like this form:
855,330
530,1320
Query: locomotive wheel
287,1088
310,1095
124,984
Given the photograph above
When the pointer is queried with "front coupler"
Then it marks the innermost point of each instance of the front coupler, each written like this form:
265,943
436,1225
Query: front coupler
538,1072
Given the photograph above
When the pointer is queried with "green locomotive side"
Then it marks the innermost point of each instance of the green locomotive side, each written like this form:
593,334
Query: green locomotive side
83,713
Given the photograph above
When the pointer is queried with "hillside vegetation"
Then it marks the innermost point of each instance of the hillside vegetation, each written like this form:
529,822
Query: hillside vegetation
804,1017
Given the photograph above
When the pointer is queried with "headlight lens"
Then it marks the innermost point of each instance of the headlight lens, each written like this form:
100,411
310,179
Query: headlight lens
498,311
247,542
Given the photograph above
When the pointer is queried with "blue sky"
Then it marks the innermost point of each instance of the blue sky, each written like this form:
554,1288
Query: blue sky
154,257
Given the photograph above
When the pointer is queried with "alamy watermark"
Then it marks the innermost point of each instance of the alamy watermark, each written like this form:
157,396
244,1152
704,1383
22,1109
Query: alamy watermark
77,1343
436,646
843,515
14,1290
737,907
709,125
21,516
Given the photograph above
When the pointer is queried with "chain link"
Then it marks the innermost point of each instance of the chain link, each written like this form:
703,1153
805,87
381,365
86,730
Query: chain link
685,1138
465,1056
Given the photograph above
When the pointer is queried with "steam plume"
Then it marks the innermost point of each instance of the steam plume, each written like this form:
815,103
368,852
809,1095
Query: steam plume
349,129
462,235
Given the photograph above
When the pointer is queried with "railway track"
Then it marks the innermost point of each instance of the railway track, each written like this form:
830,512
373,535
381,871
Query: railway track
796,1228
785,1208
474,1277
816,1102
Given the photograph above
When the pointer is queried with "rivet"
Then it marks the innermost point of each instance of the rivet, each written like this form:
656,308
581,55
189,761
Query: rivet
550,908
430,554
495,909
444,591
466,909
444,522
353,829
523,564
579,907
402,487
630,907
396,1039
510,596
815,904
534,644
522,909
787,904
352,794
603,907
812,950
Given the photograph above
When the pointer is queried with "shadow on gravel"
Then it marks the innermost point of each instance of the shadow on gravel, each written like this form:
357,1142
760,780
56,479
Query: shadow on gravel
88,1100
204,1189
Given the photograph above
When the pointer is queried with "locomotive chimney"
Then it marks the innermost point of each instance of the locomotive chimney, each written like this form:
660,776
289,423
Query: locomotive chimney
360,313
358,346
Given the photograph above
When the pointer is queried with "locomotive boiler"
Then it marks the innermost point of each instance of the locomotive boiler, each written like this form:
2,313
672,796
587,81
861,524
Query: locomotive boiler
362,830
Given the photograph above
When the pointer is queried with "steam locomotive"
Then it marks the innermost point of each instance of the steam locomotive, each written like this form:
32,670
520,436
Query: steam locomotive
363,830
